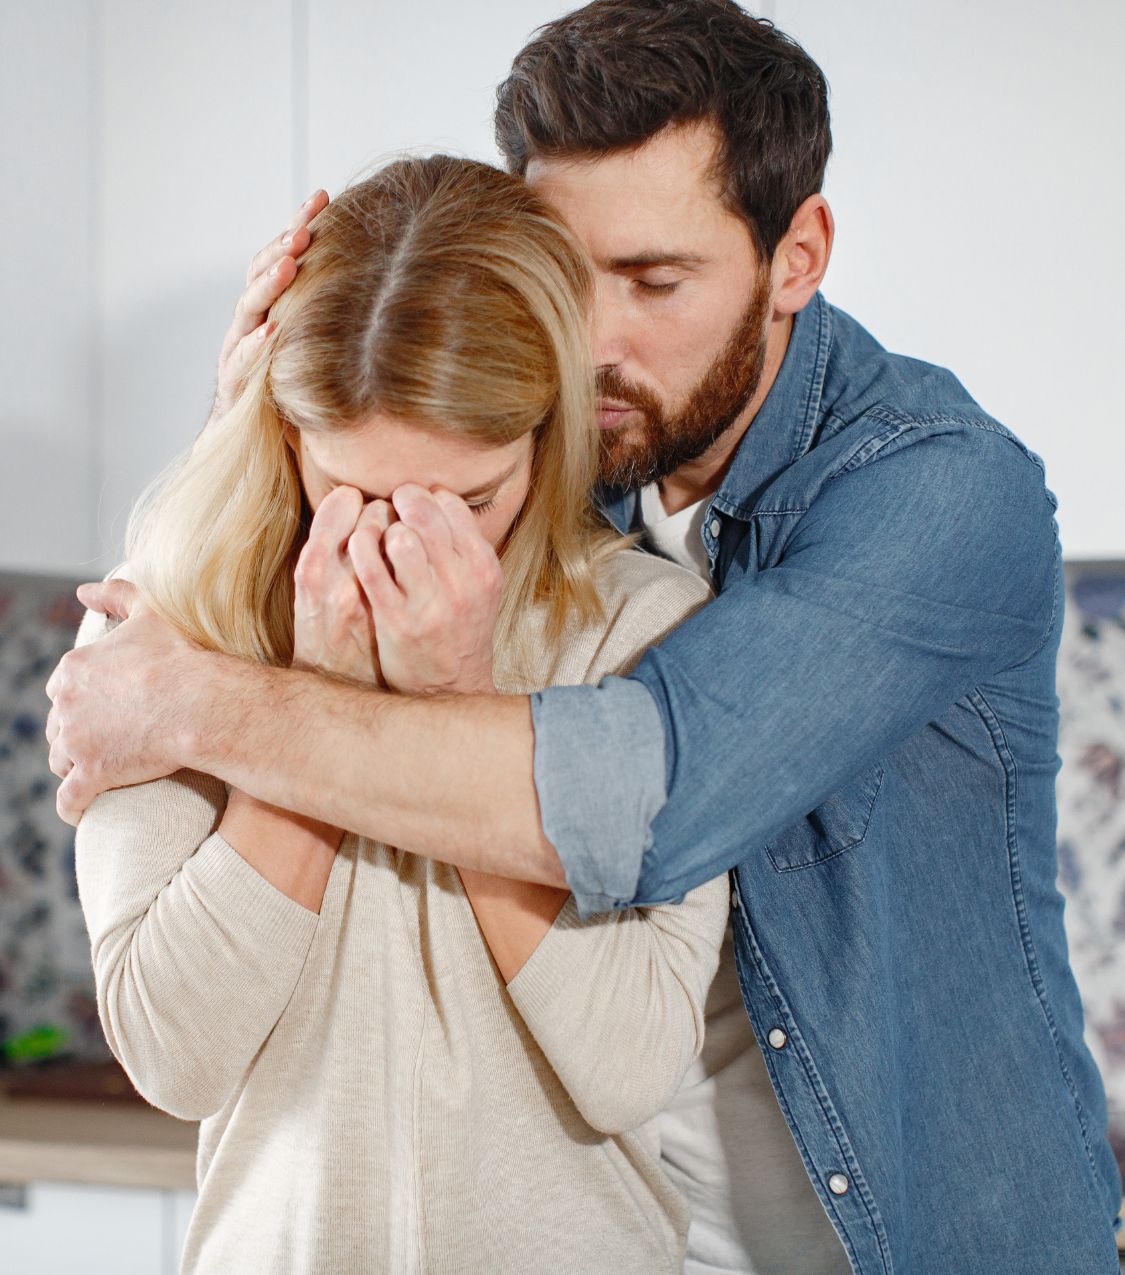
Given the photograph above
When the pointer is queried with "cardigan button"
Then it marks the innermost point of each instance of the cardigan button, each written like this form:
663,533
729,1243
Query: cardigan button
777,1039
838,1184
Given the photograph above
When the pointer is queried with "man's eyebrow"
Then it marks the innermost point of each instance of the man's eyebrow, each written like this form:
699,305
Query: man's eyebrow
472,494
650,260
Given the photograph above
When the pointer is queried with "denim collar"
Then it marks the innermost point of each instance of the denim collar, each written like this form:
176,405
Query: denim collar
782,432
786,424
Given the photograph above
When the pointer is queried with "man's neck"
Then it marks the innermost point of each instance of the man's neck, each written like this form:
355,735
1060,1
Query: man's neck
701,477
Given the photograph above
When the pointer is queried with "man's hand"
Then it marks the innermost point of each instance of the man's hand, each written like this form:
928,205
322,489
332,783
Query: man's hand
434,585
120,705
270,273
332,625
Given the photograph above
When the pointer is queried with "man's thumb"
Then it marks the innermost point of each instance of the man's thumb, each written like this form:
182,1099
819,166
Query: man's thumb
111,597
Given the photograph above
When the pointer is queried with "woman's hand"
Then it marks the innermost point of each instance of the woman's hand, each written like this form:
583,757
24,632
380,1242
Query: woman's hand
433,583
332,623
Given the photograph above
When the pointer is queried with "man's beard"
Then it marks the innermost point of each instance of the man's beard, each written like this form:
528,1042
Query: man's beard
637,454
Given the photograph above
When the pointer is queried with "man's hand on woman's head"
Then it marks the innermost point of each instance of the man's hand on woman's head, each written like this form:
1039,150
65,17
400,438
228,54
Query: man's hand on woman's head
433,583
271,272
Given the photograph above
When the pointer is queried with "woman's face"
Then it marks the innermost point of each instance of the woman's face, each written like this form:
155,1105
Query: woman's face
385,452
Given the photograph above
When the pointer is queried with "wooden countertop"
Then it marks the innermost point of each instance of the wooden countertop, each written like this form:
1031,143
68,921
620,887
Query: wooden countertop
93,1142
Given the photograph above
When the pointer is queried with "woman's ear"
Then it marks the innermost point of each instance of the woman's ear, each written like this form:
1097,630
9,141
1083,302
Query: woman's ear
292,436
802,256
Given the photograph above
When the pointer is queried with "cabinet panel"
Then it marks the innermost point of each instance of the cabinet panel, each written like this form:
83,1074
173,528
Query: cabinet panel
96,1230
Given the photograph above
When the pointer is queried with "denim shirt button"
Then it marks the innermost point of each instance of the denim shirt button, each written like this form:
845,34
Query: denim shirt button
838,1184
777,1039
716,527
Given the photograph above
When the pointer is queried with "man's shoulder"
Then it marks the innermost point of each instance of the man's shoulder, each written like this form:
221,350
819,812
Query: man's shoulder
876,403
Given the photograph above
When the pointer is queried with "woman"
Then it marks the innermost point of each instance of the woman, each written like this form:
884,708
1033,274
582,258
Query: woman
400,1067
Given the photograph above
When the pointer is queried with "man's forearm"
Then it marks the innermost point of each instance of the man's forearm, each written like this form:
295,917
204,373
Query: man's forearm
446,777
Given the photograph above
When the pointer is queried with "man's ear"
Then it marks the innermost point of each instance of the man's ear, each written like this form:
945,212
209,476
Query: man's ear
801,258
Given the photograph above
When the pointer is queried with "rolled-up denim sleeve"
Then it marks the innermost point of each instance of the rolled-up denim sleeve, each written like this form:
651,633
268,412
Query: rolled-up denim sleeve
599,774
909,580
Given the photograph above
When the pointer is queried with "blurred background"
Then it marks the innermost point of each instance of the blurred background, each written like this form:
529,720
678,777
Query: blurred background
148,150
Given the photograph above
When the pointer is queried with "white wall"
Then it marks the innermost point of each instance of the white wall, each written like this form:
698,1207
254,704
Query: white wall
48,235
978,184
158,146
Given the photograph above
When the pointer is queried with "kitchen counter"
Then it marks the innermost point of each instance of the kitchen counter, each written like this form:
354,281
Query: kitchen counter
103,1143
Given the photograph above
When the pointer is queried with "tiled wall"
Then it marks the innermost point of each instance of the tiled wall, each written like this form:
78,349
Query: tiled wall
1091,795
44,960
45,977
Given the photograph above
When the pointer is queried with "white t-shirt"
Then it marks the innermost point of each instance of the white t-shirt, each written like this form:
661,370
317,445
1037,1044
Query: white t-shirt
724,1142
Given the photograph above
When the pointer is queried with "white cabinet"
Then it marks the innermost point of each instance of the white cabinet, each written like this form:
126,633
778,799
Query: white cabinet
53,1229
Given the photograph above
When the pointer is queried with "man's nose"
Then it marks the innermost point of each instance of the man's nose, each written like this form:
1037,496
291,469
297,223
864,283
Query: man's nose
609,342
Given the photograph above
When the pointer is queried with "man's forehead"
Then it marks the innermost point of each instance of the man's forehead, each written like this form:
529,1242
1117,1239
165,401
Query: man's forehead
658,199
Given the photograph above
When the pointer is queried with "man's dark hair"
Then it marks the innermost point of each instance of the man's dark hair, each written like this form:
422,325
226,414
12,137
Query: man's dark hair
614,73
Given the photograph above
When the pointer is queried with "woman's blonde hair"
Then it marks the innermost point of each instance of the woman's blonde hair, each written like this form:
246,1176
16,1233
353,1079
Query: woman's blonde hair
442,292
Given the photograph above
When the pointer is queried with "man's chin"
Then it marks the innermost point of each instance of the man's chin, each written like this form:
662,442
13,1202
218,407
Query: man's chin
624,467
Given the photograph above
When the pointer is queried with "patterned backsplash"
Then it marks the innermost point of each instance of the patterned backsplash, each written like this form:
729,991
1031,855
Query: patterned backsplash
45,976
45,980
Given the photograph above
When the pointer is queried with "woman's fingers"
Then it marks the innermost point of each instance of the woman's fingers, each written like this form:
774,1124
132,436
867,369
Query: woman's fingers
365,552
464,526
332,525
377,515
478,566
422,514
411,565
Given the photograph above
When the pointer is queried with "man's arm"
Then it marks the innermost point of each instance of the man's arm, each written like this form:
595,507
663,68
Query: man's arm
908,582
912,578
449,776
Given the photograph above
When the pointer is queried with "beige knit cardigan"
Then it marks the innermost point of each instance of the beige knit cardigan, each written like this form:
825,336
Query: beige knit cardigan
373,1098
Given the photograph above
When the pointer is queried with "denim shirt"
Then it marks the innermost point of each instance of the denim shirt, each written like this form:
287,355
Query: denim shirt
862,729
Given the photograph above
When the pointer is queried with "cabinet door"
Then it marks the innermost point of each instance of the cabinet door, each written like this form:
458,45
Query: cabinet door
178,1206
51,1229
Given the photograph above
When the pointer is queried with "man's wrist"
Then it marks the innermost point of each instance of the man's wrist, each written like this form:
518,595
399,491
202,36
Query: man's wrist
223,692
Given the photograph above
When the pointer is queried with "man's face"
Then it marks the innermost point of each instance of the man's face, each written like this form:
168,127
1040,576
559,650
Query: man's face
682,302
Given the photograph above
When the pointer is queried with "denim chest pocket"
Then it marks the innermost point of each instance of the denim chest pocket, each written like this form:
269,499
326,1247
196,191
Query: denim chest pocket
839,823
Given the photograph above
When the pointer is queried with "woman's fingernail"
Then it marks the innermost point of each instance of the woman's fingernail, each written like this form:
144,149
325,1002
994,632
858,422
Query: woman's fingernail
287,239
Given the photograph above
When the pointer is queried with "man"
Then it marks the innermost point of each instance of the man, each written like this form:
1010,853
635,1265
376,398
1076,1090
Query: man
861,727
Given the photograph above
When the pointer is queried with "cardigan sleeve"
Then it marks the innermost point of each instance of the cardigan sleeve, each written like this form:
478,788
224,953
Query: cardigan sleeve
616,1003
195,954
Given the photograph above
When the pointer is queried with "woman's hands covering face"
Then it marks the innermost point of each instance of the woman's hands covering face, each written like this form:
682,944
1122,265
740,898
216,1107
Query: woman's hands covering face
332,625
407,592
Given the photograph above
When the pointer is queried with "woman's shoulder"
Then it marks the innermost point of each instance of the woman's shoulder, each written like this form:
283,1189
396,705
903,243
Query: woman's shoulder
643,598
634,579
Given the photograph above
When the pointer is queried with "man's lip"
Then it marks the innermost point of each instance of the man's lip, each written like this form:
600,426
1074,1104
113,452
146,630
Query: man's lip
612,414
